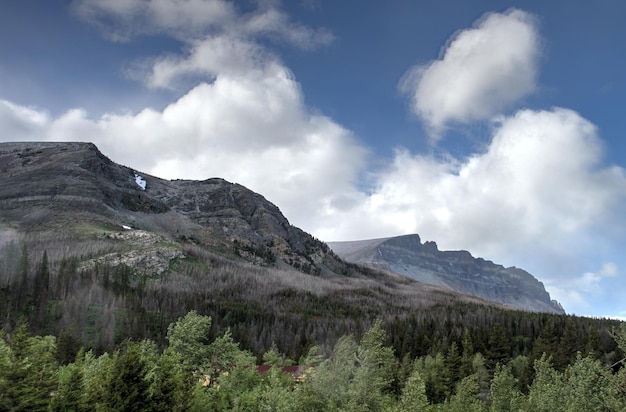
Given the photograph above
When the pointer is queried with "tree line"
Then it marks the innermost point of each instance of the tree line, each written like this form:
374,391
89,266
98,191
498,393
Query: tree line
197,372
100,306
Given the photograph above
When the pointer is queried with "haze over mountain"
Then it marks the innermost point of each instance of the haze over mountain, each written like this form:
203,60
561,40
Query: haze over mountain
456,270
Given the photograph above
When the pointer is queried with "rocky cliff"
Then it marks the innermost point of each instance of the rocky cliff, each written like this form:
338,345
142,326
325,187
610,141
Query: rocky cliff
50,183
456,270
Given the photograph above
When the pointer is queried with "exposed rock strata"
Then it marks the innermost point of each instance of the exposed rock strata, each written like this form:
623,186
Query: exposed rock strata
456,270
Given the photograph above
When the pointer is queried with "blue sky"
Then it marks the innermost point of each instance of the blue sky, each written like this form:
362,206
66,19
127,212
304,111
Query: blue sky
490,126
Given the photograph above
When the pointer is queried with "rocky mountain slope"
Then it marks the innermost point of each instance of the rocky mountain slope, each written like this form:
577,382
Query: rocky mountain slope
456,270
49,183
100,252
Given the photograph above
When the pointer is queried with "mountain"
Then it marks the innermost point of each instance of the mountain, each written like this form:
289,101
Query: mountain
98,252
455,270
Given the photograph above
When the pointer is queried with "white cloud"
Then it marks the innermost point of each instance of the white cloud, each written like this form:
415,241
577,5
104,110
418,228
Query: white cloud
20,122
206,59
252,130
578,292
589,282
482,70
248,125
121,20
538,184
190,20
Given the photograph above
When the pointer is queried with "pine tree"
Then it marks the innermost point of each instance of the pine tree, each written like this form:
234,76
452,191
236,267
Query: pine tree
70,389
466,397
499,348
414,393
32,375
128,388
504,394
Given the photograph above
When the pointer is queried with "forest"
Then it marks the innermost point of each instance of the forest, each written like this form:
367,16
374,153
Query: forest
196,373
79,333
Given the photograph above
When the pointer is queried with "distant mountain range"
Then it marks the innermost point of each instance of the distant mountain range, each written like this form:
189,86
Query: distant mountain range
455,270
102,252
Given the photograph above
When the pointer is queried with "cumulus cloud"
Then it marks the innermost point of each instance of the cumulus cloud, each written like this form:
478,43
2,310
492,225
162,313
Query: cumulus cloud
538,196
218,39
20,122
537,184
205,60
482,70
254,131
590,281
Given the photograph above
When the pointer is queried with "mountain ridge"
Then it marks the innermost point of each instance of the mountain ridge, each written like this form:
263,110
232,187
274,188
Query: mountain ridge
456,270
101,252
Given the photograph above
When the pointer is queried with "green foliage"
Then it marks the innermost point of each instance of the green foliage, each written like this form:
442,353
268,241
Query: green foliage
96,378
504,394
356,376
466,398
547,393
414,393
128,387
31,371
189,337
70,387
371,384
433,370
328,384
272,357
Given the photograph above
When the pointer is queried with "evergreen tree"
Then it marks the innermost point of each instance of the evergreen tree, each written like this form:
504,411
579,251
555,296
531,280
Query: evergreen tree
70,386
128,388
546,343
414,393
547,392
433,370
172,386
466,397
371,387
499,348
467,355
504,395
327,387
568,347
21,300
32,374
587,386
97,372
453,364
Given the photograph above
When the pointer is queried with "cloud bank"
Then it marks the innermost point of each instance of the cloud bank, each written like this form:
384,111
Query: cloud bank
481,71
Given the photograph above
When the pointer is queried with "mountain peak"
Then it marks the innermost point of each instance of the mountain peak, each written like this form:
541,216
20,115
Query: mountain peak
457,270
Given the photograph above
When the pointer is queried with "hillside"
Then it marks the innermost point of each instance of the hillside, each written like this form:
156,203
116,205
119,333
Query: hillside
98,252
455,270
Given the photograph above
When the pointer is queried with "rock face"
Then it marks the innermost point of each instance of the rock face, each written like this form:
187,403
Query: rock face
456,270
50,183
